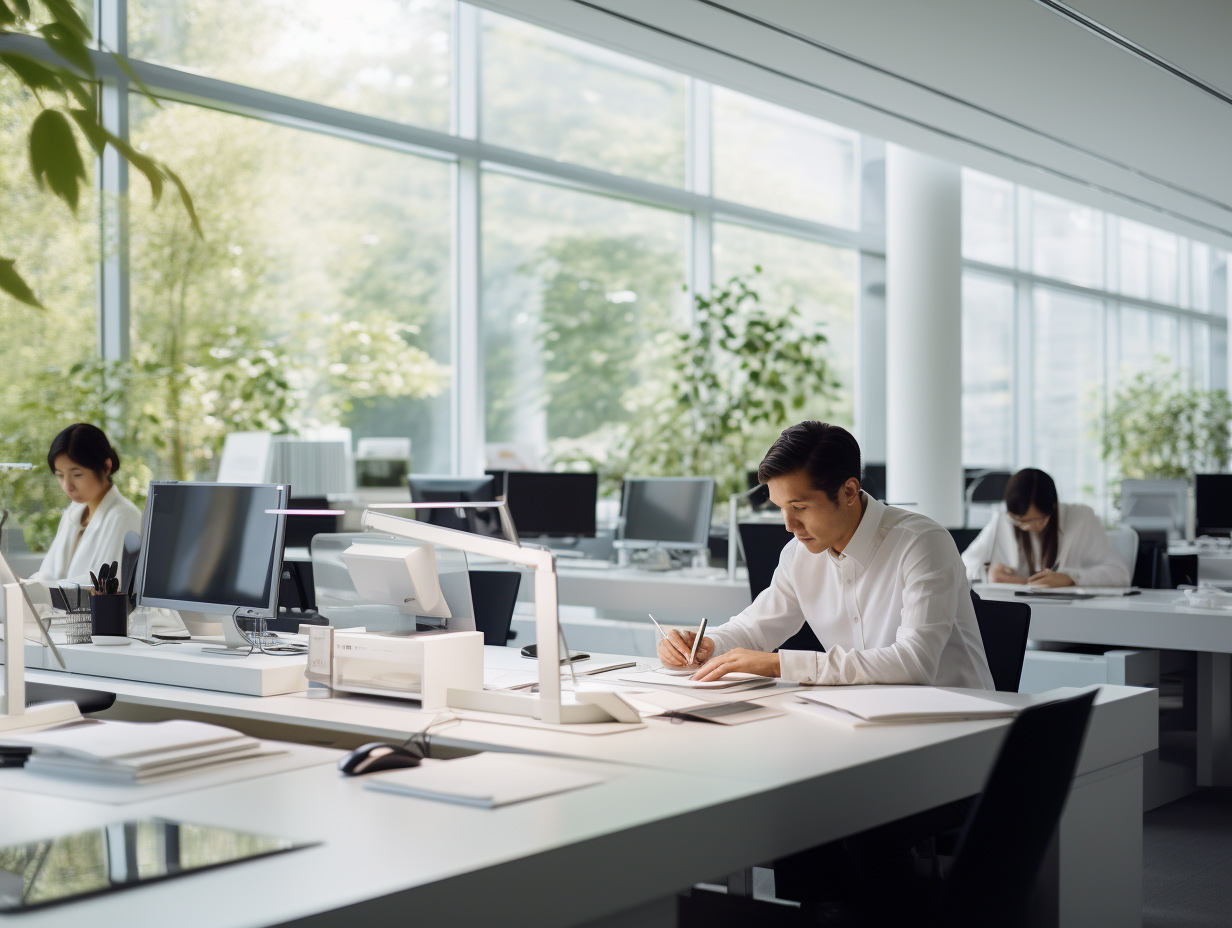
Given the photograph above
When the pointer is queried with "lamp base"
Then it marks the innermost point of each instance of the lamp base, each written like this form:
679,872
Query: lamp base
529,705
44,715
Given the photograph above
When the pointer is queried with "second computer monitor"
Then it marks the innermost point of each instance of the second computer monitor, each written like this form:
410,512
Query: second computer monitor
556,504
672,512
432,488
1155,505
1213,504
212,547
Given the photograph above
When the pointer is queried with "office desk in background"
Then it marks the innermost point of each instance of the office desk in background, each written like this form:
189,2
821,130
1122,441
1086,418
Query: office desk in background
1154,619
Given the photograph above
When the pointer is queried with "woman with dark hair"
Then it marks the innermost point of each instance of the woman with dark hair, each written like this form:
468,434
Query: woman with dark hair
93,527
1036,539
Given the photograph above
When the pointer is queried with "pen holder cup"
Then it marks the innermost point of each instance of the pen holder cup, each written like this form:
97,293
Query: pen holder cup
109,614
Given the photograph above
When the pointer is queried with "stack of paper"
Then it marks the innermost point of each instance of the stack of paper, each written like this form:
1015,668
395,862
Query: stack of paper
671,677
486,780
137,752
890,705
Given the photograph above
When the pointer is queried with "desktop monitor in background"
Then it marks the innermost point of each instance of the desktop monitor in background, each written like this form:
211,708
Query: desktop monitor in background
212,547
1155,505
669,512
302,529
561,505
1213,504
431,488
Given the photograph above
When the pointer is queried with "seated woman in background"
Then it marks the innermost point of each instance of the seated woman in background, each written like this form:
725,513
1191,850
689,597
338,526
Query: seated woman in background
1037,540
93,527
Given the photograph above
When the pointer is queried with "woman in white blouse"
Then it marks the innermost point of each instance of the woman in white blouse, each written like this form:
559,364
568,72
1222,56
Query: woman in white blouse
1036,539
93,527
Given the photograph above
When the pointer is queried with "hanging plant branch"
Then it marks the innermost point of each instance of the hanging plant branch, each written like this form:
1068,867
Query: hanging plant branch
67,95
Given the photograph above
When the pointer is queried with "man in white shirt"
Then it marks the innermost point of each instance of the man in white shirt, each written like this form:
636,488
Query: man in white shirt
884,589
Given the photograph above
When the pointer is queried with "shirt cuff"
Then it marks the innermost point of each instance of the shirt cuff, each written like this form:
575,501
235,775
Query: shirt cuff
1074,575
799,666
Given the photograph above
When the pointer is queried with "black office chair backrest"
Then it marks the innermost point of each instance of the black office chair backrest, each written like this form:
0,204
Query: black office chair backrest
494,593
302,529
963,537
1151,568
1008,831
763,543
988,487
1003,628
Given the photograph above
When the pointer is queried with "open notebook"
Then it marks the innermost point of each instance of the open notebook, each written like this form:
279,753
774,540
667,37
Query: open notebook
896,705
486,780
668,677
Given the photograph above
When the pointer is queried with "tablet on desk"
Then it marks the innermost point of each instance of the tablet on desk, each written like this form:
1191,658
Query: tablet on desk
93,862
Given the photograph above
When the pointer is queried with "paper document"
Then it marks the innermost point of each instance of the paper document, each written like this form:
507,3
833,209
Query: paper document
486,780
653,677
896,704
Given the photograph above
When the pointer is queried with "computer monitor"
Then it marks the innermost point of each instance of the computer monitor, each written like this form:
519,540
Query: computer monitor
669,512
1213,504
435,488
561,505
1155,505
212,547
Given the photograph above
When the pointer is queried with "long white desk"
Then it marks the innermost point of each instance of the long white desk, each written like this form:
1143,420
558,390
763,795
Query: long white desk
770,788
1154,619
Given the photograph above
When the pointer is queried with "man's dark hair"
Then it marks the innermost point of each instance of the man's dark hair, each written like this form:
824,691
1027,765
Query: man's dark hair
85,445
829,454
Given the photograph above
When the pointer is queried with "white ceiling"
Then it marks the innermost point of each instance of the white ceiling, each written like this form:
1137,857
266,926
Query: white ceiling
1013,87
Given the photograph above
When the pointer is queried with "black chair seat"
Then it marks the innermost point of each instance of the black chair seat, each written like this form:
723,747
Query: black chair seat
87,700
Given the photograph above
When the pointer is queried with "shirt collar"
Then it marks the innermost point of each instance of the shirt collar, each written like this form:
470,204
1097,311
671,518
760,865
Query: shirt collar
860,548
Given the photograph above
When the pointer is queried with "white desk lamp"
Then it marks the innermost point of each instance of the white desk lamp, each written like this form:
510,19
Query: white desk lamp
15,715
592,706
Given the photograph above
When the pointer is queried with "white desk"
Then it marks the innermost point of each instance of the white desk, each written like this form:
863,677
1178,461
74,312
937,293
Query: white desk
1154,619
782,784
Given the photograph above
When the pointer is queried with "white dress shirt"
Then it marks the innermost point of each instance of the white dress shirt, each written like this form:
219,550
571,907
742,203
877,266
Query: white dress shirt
894,607
1084,551
101,543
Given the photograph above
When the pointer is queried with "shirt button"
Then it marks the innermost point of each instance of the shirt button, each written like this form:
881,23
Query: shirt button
849,580
855,618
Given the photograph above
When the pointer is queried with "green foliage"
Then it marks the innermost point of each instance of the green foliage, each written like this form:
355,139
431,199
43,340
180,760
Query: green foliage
1156,427
55,158
727,386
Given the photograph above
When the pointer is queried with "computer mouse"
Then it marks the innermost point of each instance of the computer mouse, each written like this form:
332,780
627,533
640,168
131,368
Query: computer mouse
378,755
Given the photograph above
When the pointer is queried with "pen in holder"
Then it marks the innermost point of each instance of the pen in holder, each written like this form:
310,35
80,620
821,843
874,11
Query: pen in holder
109,615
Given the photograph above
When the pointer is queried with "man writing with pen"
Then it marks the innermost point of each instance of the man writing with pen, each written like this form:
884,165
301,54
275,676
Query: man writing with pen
884,589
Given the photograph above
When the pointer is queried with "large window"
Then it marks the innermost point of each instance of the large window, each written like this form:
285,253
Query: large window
318,297
577,290
1062,306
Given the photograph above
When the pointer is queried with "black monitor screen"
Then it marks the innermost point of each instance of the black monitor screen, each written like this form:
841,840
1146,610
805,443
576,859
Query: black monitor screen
445,489
213,544
1213,503
668,509
552,504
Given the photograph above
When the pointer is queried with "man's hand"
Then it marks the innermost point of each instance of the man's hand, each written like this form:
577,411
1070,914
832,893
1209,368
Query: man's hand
1000,573
674,649
739,660
1050,578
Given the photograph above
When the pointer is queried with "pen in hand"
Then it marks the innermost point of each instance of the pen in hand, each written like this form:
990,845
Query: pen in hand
668,638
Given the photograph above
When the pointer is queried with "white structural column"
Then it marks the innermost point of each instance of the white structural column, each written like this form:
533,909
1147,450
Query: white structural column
924,334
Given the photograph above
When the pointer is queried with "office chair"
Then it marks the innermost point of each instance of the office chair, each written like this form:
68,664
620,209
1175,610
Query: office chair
985,487
1001,846
1150,565
1004,627
87,700
1182,570
494,594
297,602
763,543
963,537
1125,539
301,530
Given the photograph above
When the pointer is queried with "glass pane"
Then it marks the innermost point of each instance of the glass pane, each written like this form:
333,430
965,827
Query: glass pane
1067,240
1148,262
987,219
777,159
575,289
1200,276
55,253
559,97
988,372
1148,340
387,58
1069,379
1200,355
319,296
819,279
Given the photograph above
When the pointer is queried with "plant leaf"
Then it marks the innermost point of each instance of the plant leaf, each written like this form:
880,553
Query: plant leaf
65,43
15,285
34,74
22,7
132,76
54,156
186,199
64,13
7,16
